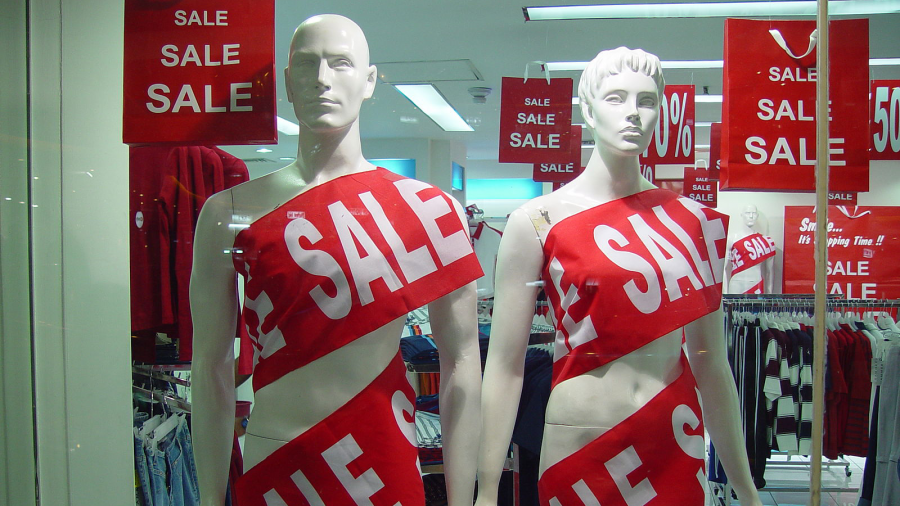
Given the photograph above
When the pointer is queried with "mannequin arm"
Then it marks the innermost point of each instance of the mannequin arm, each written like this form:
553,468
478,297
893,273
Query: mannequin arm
454,325
721,413
768,274
214,309
519,261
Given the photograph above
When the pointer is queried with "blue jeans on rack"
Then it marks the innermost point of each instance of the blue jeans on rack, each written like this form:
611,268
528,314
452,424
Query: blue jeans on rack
157,464
141,468
191,486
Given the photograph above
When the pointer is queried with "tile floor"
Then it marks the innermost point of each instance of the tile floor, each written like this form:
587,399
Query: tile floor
784,481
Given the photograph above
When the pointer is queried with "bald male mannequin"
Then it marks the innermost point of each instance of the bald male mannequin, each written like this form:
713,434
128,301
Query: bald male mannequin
341,386
749,269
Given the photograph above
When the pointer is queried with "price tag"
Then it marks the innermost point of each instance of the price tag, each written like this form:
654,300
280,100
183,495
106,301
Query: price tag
885,108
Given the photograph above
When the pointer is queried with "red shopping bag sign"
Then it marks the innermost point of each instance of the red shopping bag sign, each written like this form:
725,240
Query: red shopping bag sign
535,120
862,245
715,151
769,105
885,100
570,167
700,187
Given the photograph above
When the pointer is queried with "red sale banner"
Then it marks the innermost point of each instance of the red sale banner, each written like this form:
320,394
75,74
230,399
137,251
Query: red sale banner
562,172
885,100
199,72
769,105
700,187
715,150
535,120
863,245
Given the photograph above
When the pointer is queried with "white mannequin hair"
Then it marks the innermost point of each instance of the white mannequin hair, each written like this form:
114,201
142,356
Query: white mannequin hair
612,62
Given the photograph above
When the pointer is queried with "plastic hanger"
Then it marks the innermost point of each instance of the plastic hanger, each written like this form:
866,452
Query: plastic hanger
166,427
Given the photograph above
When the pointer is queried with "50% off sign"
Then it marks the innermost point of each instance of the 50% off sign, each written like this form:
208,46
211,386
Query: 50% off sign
673,139
885,103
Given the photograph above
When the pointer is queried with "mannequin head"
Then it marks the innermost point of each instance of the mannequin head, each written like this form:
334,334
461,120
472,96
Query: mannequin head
750,215
620,91
328,74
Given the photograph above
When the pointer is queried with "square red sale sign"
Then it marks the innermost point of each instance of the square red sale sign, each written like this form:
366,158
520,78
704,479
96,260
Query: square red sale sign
199,72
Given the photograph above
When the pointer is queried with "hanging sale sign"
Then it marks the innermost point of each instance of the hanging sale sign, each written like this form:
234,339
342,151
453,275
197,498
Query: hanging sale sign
570,167
673,139
535,120
863,245
769,105
700,187
885,99
199,72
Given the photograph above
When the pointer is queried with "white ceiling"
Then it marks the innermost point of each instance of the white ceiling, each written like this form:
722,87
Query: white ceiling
496,39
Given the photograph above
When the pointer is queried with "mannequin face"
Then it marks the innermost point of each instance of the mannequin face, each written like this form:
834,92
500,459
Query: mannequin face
750,216
329,75
624,112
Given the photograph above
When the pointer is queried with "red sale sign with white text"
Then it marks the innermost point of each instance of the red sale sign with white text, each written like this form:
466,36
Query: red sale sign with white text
769,105
885,100
199,72
700,187
863,247
535,120
568,169
673,139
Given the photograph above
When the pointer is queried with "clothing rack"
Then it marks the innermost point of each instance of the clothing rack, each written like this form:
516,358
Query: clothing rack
166,399
161,372
733,303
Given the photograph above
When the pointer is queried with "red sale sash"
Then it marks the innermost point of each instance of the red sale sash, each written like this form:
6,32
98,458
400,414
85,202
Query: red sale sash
750,252
343,259
644,460
622,274
363,453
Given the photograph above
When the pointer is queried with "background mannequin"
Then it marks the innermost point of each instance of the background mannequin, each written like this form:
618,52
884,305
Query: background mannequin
327,79
620,92
750,256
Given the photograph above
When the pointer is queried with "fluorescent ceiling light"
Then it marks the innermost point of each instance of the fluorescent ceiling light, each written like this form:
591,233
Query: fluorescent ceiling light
286,127
430,101
263,150
564,66
709,10
708,99
703,124
578,66
883,62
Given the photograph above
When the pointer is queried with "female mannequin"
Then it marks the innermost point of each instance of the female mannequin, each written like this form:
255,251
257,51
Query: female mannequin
750,256
625,267
333,252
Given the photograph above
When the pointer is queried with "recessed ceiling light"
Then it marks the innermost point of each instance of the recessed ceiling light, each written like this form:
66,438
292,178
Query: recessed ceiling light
708,10
263,150
430,101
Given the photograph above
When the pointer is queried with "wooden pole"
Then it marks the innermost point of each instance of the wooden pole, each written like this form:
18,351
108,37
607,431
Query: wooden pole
819,337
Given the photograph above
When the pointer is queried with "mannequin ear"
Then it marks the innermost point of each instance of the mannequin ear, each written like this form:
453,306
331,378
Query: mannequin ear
287,85
370,82
587,113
